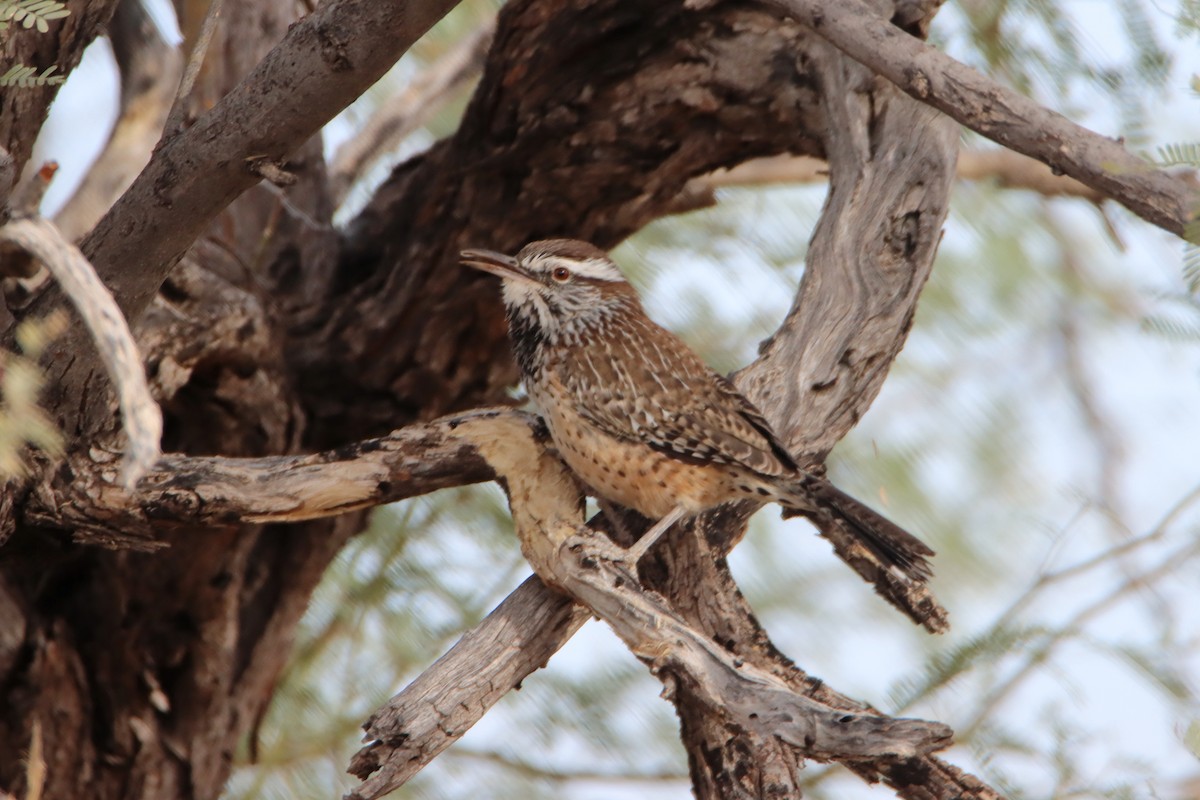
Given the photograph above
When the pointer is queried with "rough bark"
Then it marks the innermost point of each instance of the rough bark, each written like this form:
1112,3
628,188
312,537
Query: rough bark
322,64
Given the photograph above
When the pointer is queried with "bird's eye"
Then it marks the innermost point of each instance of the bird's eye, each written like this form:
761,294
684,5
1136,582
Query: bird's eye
561,274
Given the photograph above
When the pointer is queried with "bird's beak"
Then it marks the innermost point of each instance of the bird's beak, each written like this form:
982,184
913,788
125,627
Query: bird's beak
496,263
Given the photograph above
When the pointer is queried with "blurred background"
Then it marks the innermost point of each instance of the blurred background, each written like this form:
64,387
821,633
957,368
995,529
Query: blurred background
1041,429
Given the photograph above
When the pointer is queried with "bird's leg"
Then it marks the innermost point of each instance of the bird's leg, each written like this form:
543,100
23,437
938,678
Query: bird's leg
621,532
642,546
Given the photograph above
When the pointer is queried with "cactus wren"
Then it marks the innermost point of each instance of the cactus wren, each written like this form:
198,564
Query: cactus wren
640,418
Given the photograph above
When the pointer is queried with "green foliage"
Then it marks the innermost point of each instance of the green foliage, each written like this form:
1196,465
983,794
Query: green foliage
24,77
30,13
1181,154
1187,21
22,422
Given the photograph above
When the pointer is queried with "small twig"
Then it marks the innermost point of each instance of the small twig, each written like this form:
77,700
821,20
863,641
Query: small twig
1038,655
174,123
1117,551
409,110
27,196
267,169
140,415
1007,168
1047,579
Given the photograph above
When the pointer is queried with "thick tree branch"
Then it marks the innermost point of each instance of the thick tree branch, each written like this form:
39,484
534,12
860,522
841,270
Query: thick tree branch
519,153
217,491
323,63
746,696
547,512
448,698
588,121
998,113
23,111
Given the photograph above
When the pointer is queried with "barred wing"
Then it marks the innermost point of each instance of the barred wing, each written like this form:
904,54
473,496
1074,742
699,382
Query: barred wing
642,383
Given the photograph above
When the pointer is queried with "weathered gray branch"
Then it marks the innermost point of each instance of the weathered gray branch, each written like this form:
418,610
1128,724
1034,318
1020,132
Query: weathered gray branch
748,697
448,698
998,113
547,513
214,490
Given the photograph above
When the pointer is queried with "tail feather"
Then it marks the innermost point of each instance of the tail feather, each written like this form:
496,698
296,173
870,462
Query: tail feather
887,541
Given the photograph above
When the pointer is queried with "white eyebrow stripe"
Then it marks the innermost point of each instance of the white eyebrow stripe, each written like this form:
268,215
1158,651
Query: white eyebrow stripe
595,268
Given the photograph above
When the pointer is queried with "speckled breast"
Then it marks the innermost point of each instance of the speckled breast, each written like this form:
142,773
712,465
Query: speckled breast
631,474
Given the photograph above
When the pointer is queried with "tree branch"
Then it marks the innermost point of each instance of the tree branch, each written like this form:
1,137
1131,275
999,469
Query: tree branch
747,697
998,113
547,512
140,415
1007,168
22,112
323,63
401,115
449,697
218,491
175,116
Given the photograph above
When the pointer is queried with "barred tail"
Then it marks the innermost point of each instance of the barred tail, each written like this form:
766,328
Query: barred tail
888,542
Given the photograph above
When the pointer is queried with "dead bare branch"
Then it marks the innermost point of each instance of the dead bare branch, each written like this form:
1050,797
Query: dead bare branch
1007,168
401,115
140,415
174,123
749,698
998,113
547,513
449,697
219,491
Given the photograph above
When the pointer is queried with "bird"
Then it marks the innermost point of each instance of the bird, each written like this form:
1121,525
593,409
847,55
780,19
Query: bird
641,419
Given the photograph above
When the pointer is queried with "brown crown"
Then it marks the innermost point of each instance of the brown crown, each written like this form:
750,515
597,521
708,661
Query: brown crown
566,248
